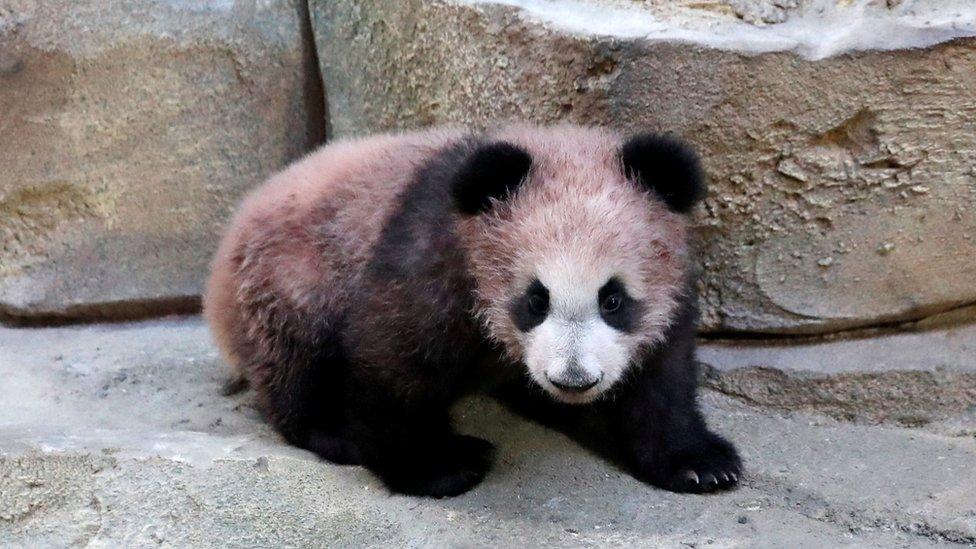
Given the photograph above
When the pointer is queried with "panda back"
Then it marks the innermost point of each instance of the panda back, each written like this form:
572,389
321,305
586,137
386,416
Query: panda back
300,243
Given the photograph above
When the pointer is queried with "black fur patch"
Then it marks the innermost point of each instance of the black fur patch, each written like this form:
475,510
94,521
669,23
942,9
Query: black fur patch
523,314
417,296
304,391
492,171
666,439
666,166
420,238
626,317
413,343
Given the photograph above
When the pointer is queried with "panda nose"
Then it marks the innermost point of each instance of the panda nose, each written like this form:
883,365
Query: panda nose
574,379
574,386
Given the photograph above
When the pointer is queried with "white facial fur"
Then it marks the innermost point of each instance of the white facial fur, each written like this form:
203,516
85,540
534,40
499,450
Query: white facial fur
574,341
574,224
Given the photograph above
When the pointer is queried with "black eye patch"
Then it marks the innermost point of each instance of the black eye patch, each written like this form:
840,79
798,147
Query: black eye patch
530,309
617,308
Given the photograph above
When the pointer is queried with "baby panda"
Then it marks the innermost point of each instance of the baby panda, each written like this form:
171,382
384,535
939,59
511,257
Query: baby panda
367,287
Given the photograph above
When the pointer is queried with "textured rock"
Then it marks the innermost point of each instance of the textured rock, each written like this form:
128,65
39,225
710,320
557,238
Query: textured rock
913,378
842,181
115,435
128,132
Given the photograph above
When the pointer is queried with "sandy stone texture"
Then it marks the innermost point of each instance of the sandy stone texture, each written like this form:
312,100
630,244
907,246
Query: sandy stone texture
117,435
842,188
128,132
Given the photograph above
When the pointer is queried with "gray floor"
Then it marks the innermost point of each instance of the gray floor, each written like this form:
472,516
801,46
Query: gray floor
116,435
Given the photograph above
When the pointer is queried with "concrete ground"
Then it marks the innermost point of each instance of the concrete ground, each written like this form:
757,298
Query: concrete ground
117,435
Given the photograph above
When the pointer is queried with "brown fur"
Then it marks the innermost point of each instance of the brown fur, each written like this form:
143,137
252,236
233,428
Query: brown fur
299,242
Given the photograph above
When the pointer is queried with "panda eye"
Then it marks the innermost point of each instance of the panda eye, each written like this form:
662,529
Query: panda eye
611,303
531,307
618,309
539,303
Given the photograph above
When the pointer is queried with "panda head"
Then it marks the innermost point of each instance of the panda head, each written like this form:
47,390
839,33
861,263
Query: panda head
576,239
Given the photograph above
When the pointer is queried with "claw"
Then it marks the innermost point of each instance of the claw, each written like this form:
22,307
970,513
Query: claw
709,480
735,477
690,476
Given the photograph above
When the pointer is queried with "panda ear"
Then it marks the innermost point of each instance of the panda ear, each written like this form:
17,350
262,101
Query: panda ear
491,171
667,166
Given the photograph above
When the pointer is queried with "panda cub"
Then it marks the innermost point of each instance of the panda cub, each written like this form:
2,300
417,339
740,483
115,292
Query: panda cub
367,287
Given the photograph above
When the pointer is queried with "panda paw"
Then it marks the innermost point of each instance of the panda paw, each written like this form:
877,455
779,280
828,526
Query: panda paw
713,467
459,467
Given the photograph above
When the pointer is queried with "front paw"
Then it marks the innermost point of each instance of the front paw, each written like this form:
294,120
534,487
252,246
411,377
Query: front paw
455,468
710,467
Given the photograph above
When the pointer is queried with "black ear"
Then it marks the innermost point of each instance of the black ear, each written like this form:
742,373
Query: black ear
493,170
666,166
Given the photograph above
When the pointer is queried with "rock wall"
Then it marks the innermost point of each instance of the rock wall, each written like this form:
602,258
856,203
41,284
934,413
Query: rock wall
839,137
842,188
128,132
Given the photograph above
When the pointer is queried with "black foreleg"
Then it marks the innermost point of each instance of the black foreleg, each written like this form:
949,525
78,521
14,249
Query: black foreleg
664,434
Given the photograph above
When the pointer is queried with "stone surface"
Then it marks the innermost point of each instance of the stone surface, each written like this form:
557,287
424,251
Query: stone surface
116,435
128,132
813,29
842,178
906,378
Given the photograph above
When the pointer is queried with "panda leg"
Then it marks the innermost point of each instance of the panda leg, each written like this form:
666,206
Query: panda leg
295,415
302,395
664,434
413,449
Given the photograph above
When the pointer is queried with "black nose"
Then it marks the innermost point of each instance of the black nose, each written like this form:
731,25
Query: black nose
574,384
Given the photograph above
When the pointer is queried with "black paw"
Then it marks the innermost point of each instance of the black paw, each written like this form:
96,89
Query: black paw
459,465
712,467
